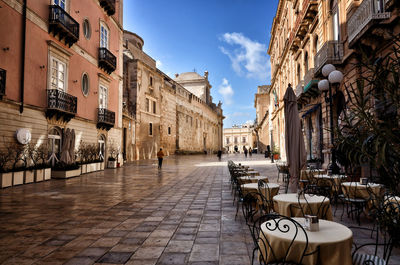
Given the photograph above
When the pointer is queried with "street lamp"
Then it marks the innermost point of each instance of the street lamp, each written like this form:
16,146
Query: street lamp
325,85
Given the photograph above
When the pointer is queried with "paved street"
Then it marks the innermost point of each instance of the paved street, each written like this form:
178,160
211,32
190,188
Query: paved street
135,215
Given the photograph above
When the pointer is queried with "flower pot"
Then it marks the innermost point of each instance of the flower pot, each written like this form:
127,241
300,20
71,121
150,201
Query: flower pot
29,176
18,178
276,156
39,175
47,173
112,164
6,179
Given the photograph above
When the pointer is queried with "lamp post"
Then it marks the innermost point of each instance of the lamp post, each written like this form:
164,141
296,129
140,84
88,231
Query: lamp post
325,85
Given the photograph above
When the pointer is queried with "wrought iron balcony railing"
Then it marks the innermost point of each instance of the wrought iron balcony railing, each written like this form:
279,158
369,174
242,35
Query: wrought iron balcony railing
331,52
107,60
105,118
3,74
63,25
109,6
59,100
366,14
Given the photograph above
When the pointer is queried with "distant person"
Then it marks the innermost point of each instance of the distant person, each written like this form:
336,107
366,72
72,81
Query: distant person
268,151
219,154
250,151
160,156
245,151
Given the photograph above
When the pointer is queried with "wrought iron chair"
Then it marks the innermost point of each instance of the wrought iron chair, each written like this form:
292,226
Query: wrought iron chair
268,250
266,200
356,203
306,209
250,206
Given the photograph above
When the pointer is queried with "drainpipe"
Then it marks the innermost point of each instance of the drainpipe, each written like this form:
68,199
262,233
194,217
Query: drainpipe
23,52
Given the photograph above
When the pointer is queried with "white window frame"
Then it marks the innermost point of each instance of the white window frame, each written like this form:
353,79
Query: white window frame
103,88
104,29
65,81
66,4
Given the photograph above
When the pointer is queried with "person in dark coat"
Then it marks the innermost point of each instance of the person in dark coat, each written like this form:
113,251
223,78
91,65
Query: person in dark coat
219,154
245,151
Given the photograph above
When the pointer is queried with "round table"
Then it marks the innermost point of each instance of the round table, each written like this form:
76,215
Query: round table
334,178
288,205
305,172
252,179
358,190
333,239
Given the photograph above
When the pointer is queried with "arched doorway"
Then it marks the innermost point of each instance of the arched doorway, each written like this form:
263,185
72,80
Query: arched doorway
102,146
54,141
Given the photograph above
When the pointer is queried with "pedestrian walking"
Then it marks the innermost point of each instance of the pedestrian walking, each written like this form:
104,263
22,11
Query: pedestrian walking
160,156
219,154
250,151
245,151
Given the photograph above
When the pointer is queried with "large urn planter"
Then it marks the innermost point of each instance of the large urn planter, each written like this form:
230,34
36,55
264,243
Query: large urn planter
29,176
65,174
6,179
112,164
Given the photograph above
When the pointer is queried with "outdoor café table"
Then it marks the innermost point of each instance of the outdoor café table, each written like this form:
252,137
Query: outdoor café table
305,172
273,189
333,239
283,202
358,190
252,179
336,178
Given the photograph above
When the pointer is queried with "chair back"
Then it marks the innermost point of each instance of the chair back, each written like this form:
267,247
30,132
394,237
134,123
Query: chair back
306,209
266,196
249,206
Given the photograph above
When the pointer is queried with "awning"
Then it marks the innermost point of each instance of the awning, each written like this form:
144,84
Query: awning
310,84
310,110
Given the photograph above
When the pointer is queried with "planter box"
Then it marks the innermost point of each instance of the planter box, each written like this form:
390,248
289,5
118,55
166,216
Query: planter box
6,179
92,167
83,168
18,178
39,175
64,174
98,166
102,166
112,164
29,176
47,173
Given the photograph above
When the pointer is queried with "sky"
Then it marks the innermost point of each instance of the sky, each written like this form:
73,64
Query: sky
227,38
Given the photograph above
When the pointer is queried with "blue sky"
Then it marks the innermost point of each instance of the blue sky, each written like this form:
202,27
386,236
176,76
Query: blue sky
228,38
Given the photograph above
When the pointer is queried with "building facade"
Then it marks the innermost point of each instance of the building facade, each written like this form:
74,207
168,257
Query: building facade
306,35
238,137
61,68
177,115
262,128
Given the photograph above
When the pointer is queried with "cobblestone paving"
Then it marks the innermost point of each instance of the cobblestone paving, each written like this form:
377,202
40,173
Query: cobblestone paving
182,214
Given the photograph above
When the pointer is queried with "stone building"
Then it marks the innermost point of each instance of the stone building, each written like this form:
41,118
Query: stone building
307,35
176,115
238,137
61,68
262,127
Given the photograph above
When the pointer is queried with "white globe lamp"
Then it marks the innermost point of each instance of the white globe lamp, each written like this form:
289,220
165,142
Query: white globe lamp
335,77
327,69
323,85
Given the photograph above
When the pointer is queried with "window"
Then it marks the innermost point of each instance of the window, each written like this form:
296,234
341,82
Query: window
104,36
187,118
236,140
102,146
147,105
154,107
61,3
306,62
58,74
151,81
335,19
103,97
85,84
150,128
54,145
169,130
227,140
191,121
87,32
243,139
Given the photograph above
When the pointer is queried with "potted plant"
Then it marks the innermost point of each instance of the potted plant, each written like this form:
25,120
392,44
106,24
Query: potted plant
276,152
112,159
18,166
5,175
63,171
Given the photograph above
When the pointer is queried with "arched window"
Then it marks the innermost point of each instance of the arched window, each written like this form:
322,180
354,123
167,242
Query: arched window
298,73
315,44
379,6
306,62
54,144
102,146
335,20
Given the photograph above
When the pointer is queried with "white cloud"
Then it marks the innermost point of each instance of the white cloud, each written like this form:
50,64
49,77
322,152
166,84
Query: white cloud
248,58
158,64
225,89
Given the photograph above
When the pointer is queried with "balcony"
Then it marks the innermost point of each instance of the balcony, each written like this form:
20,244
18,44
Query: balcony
63,25
61,105
2,82
310,87
107,60
367,14
331,52
299,88
105,119
108,6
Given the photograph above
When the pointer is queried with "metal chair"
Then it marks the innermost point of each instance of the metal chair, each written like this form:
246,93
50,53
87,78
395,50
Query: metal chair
266,201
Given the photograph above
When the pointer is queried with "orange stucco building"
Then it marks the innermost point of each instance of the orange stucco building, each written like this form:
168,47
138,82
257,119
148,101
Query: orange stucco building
61,67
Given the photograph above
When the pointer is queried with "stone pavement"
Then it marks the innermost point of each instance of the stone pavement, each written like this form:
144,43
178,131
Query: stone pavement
182,214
